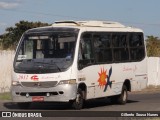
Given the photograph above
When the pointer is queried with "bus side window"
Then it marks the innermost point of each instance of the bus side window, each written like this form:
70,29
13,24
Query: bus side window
85,55
120,47
137,49
102,48
97,48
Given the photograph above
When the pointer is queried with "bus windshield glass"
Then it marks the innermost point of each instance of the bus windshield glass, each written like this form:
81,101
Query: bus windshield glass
45,52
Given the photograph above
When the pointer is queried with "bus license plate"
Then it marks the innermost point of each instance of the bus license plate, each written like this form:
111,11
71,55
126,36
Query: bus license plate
37,99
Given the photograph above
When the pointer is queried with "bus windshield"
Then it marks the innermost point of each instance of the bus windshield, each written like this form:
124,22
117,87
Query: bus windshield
49,52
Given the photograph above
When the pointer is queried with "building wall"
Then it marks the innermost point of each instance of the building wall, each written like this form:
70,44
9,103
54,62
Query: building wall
6,61
154,71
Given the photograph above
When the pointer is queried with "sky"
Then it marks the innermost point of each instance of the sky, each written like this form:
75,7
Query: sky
142,14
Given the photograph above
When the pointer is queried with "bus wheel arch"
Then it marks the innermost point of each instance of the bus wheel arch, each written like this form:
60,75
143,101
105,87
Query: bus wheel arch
127,83
83,88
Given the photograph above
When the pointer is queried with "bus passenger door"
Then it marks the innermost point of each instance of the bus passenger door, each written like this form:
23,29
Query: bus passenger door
85,64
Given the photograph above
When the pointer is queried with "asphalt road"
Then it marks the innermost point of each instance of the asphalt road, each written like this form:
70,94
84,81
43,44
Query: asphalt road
136,102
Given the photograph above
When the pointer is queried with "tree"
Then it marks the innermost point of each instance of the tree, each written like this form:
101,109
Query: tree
13,34
153,46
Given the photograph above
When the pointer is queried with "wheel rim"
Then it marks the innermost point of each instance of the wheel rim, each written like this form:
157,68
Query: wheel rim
79,99
78,102
124,96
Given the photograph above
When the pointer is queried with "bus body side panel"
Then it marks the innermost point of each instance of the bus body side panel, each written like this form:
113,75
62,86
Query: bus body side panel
104,80
140,80
108,79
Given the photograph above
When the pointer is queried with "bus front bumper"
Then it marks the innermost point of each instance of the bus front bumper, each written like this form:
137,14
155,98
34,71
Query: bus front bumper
60,93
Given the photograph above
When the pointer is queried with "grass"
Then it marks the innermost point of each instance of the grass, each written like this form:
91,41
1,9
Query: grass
152,88
5,96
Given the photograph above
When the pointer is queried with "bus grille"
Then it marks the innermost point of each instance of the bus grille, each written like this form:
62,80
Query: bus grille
40,84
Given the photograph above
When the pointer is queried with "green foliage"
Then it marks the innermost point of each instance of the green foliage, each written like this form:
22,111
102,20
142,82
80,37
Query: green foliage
13,34
5,96
153,46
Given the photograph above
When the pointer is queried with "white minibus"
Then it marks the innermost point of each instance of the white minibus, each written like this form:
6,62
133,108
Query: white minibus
74,61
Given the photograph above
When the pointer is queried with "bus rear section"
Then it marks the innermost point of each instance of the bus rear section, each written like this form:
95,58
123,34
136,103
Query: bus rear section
112,63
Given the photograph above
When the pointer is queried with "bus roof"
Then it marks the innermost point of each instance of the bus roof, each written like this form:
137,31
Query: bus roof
89,24
96,25
92,26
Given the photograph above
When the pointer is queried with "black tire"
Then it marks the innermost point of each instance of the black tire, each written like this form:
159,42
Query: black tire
25,105
123,97
78,103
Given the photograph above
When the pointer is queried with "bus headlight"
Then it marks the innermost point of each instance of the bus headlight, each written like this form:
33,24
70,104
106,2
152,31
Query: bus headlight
15,83
67,82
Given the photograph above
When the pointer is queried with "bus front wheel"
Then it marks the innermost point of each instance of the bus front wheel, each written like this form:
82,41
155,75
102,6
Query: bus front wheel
79,101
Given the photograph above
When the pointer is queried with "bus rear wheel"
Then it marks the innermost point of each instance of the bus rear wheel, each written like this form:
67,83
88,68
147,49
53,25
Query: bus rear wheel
123,97
77,104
